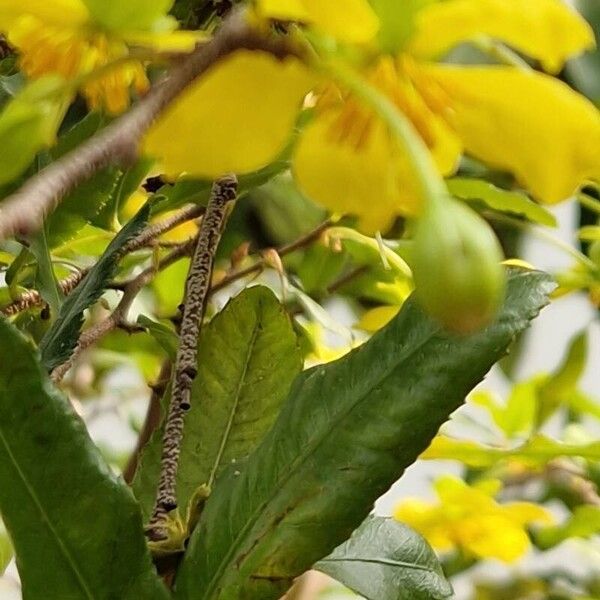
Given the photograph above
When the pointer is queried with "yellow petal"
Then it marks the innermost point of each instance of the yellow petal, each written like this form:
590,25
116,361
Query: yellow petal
236,118
283,10
547,30
524,513
165,41
527,123
52,12
354,23
493,536
365,177
376,318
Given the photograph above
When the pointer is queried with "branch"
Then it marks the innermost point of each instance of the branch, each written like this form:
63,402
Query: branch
132,287
68,284
24,211
196,293
118,317
258,266
151,422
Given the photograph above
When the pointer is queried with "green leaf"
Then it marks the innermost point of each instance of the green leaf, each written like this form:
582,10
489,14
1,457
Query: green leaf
583,523
28,123
165,336
127,183
6,549
518,416
501,200
386,560
247,359
346,432
75,526
86,203
561,386
58,343
537,451
589,233
45,279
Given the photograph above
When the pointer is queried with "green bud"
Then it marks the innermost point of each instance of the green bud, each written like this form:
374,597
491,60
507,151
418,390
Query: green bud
457,267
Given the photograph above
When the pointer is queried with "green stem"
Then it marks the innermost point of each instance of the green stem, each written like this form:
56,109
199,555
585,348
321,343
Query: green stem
431,184
500,52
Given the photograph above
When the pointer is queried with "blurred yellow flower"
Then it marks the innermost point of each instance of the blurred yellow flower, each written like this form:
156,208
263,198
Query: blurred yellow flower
73,38
181,233
468,518
346,157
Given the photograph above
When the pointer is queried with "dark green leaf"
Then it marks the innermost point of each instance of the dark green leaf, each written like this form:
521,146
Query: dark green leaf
45,279
386,560
97,200
59,341
76,529
247,359
6,549
128,182
346,432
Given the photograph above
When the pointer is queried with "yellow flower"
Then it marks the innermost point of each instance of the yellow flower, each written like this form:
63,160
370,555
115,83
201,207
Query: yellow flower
73,38
346,157
178,234
467,518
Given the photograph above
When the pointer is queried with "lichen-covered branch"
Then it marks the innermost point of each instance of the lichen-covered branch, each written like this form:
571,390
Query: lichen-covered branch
196,292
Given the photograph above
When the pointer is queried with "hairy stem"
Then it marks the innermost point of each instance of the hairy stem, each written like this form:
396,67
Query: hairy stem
196,293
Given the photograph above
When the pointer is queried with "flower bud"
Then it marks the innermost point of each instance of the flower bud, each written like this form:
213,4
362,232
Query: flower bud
458,275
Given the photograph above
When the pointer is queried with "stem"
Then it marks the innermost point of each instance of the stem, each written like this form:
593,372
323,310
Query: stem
431,184
258,266
151,422
196,292
500,52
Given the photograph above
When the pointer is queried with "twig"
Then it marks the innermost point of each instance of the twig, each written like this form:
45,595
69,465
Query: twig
151,422
157,229
259,265
570,476
334,286
196,292
92,335
24,211
118,317
33,298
